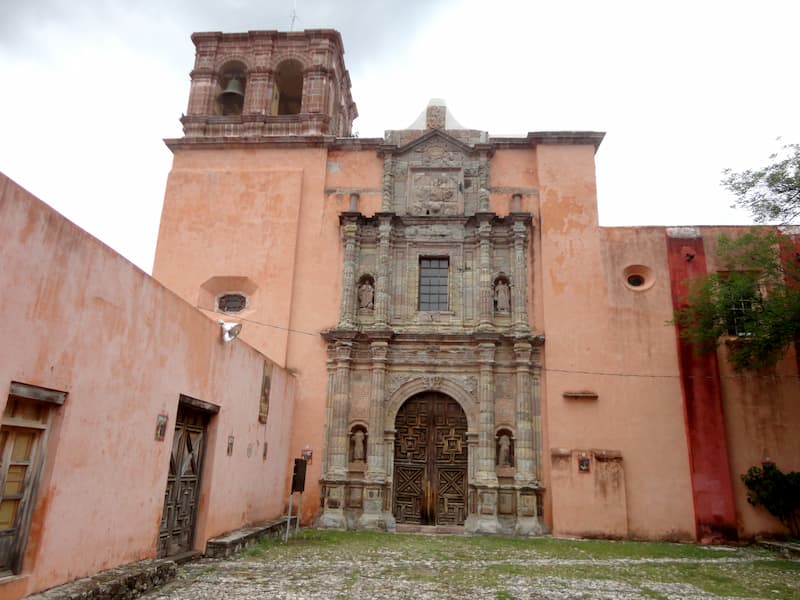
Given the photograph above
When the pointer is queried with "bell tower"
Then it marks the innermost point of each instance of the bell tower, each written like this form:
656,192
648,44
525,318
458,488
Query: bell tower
269,83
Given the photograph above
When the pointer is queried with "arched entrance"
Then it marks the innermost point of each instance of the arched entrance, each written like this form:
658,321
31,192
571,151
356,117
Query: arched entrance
430,461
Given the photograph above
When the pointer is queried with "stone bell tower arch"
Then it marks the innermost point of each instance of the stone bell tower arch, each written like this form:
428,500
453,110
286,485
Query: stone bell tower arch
269,83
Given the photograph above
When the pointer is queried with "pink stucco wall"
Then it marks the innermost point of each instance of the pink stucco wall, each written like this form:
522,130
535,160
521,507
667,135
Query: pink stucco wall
602,336
79,318
291,200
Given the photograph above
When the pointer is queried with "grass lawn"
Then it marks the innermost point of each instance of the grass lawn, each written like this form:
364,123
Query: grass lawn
505,567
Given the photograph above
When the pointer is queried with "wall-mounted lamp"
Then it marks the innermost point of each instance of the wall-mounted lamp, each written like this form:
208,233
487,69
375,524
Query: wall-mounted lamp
307,453
229,330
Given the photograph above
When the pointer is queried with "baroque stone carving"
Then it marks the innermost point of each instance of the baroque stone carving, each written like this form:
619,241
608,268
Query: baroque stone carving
469,383
434,193
366,294
502,302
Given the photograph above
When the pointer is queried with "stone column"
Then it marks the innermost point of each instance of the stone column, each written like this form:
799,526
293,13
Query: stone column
375,449
485,299
537,423
519,291
255,95
331,365
372,516
336,474
523,447
340,409
349,224
485,521
382,281
483,183
388,180
529,448
486,446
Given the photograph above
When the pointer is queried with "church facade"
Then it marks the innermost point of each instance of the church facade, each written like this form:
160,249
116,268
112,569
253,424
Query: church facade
470,348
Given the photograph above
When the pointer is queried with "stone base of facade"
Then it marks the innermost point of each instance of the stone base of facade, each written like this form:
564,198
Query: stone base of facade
332,515
482,524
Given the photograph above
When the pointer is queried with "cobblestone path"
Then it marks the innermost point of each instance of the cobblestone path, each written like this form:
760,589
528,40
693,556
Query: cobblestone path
387,573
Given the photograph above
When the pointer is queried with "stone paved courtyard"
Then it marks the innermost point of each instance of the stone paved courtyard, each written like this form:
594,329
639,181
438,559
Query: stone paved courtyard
347,565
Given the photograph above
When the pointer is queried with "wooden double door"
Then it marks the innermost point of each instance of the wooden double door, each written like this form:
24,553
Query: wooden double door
430,461
176,534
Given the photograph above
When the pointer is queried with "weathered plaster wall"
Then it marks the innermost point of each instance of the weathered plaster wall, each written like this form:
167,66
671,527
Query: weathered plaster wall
291,200
761,412
605,338
78,317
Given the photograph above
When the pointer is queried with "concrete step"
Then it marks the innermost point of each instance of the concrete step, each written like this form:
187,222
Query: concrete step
230,543
128,581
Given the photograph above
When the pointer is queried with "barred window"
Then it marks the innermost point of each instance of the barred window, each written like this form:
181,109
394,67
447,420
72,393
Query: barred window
231,303
433,283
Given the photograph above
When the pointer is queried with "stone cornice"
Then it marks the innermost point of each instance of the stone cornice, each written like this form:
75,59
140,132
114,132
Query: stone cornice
535,138
395,337
272,141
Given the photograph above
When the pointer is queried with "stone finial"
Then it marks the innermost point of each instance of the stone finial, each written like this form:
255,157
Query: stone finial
435,116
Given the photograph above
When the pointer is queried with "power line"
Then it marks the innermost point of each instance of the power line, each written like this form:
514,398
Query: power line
578,371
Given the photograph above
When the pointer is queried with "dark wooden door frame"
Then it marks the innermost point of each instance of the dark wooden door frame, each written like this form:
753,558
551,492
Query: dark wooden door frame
184,478
430,461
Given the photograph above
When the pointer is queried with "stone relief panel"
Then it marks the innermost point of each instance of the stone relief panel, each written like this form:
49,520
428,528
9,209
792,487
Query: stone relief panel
435,192
359,395
504,411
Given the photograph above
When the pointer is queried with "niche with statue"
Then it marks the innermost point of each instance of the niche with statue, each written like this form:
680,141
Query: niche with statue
358,447
502,295
504,450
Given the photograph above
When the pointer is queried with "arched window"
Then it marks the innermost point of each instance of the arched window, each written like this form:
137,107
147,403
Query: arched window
287,96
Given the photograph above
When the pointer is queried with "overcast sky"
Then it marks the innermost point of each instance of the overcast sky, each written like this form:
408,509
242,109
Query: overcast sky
682,90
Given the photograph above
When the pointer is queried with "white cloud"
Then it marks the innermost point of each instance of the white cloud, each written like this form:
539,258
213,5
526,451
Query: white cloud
682,89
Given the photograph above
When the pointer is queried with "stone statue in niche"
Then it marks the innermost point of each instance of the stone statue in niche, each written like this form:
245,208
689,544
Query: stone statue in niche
358,445
501,296
366,294
504,451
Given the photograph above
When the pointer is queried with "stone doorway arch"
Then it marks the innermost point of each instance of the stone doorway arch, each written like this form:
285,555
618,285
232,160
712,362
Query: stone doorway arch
430,475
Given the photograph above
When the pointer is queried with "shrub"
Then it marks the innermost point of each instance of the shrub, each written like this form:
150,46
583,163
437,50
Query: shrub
776,491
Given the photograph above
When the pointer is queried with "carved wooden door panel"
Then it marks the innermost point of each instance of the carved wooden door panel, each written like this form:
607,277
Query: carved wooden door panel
430,461
183,482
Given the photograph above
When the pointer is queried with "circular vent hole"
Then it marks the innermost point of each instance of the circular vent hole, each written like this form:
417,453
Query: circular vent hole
638,277
635,280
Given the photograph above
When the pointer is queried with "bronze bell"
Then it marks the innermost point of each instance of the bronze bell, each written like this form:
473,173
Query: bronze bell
234,88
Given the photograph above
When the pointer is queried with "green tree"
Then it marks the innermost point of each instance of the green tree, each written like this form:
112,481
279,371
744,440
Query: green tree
771,194
754,303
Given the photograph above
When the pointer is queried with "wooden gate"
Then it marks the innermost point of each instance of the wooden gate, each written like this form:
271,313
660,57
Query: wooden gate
183,482
430,461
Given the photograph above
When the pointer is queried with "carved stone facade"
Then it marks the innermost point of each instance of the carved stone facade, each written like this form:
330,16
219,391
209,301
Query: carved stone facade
434,309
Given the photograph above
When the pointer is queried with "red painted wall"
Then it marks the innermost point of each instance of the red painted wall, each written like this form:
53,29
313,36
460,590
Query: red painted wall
712,488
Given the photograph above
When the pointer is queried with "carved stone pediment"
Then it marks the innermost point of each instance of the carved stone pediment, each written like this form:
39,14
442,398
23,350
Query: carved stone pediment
435,146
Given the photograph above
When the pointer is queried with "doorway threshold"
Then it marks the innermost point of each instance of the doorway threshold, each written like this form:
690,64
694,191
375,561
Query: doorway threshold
430,529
